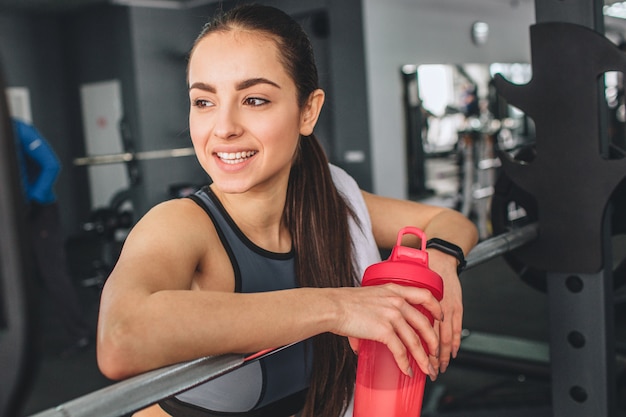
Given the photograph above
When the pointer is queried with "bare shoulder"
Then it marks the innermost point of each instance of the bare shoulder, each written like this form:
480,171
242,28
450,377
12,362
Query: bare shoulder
183,210
175,238
180,218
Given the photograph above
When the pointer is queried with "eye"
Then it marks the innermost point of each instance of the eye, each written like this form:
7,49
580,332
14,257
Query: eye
202,103
255,101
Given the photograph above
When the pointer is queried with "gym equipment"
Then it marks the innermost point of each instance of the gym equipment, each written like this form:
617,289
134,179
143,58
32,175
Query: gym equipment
93,252
478,172
573,246
511,206
132,156
577,198
135,393
414,116
582,178
18,358
148,388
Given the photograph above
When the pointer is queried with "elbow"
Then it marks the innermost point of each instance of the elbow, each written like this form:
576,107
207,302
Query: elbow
115,355
468,226
110,366
471,236
473,233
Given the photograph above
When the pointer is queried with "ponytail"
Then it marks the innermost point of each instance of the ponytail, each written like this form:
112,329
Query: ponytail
317,216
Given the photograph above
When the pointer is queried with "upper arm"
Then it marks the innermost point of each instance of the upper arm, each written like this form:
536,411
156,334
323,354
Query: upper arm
163,251
148,316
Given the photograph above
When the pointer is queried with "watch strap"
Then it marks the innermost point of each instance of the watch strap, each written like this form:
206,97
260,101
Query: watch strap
448,248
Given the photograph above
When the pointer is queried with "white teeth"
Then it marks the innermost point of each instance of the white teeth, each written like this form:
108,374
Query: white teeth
235,157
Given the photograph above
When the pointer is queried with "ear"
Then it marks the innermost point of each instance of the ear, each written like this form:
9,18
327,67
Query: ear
311,112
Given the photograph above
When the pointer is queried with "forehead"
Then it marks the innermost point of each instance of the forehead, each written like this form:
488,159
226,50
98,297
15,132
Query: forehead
237,54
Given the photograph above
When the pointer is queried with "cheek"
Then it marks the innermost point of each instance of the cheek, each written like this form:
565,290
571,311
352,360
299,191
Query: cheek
281,140
198,134
197,129
283,130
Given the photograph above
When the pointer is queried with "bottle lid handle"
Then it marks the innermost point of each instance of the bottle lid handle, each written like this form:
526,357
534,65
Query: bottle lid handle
412,230
400,252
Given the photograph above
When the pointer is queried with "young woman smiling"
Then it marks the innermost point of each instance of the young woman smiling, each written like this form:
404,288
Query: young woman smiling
272,251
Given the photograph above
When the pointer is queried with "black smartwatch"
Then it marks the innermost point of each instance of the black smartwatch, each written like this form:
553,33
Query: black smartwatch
449,249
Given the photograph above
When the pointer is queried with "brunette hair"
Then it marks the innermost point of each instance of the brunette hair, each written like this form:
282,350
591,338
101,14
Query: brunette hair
315,213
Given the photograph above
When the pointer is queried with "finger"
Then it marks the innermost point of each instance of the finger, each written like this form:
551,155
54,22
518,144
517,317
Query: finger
445,335
430,304
421,297
434,357
420,323
354,344
457,330
416,333
410,345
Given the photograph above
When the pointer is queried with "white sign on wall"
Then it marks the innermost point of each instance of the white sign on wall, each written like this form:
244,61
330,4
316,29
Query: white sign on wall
18,99
101,104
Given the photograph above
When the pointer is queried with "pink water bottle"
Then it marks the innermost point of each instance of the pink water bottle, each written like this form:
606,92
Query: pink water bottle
382,389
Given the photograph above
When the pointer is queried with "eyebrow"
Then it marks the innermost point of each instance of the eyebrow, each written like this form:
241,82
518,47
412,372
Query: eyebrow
240,86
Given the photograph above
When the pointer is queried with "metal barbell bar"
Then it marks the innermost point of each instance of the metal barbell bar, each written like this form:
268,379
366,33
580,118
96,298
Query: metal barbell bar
132,156
146,389
501,244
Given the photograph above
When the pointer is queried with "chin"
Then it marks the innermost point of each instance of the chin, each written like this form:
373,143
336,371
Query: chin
230,187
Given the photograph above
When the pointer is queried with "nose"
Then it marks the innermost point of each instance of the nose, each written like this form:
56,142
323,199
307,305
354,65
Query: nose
227,122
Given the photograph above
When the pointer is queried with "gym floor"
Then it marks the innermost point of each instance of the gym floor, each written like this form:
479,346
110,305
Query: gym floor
497,303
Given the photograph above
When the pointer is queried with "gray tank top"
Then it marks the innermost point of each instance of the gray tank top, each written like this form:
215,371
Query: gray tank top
277,382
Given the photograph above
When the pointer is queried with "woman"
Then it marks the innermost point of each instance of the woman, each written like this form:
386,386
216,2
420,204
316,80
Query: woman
270,253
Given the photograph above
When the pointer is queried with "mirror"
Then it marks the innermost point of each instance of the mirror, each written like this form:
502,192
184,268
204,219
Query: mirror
444,101
456,124
461,97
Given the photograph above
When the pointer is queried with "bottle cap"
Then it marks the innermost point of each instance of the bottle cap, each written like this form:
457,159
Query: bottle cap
406,266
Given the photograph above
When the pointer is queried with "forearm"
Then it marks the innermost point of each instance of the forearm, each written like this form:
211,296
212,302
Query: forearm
173,326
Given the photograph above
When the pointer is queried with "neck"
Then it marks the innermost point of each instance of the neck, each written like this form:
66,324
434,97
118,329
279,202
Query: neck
259,216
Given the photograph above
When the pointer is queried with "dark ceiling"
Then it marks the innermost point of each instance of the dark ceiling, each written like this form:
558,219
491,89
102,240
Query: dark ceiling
46,5
66,5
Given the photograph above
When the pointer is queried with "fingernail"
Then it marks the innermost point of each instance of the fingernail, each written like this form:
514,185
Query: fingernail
437,353
455,352
432,372
443,367
409,372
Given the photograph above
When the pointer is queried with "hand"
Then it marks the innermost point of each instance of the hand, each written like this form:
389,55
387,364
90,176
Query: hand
448,331
386,314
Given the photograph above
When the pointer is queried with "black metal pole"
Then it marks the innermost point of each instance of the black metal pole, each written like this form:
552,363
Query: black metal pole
582,352
17,350
414,120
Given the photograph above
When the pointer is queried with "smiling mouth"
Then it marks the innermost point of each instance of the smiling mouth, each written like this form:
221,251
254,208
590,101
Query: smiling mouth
235,157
